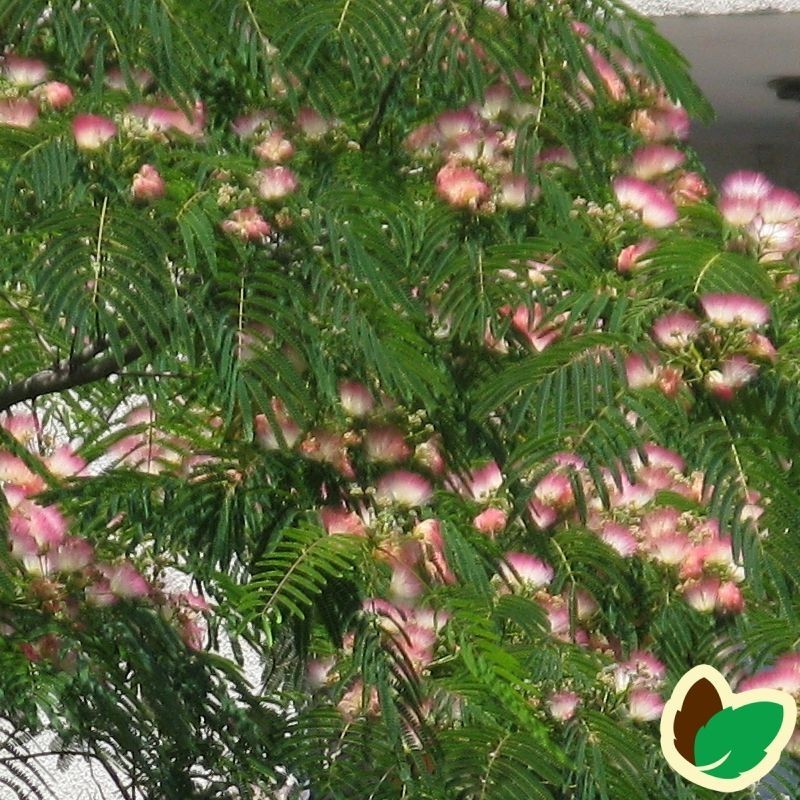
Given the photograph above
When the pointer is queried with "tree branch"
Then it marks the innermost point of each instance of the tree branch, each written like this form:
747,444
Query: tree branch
69,373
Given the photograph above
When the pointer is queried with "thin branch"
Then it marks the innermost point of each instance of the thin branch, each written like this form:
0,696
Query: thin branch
84,368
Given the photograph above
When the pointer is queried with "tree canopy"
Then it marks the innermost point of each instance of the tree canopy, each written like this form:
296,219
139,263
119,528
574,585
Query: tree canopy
413,336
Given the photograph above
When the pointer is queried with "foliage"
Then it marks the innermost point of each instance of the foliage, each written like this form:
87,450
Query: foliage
413,334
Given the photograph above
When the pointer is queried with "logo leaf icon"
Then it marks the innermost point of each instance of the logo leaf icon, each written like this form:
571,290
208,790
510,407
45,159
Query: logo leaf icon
735,740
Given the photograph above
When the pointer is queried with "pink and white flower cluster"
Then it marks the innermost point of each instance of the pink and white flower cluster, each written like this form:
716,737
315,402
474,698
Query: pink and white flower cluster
62,572
476,145
767,216
722,350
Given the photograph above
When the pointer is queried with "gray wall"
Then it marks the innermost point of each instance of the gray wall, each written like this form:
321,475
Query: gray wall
663,7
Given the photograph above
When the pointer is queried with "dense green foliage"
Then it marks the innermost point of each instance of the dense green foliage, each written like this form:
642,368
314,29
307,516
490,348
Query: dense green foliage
354,311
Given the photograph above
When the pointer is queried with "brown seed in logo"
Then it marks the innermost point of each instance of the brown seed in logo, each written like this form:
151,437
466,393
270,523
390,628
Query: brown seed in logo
701,702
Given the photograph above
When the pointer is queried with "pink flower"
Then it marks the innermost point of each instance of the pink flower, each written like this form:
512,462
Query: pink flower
72,556
429,455
727,310
655,160
554,490
660,522
735,373
168,118
92,131
124,581
655,207
759,346
662,124
452,124
99,594
46,524
746,185
533,325
662,457
422,139
497,100
247,124
619,538
275,148
18,112
480,484
525,570
631,258
461,186
338,521
429,532
670,548
55,94
403,488
193,601
147,184
558,156
701,594
644,705
689,187
780,205
676,331
141,78
608,75
21,71
405,585
386,444
490,521
515,192
317,671
63,463
641,372
357,701
312,123
730,598
247,224
562,705
355,398
14,471
275,183
265,433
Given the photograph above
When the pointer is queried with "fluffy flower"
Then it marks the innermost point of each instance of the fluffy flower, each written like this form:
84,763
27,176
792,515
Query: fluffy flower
386,444
125,581
403,488
562,705
644,705
461,186
275,148
655,160
676,331
355,398
312,123
631,257
18,112
54,94
23,72
728,310
734,373
490,521
247,224
655,207
91,131
147,184
275,183
523,569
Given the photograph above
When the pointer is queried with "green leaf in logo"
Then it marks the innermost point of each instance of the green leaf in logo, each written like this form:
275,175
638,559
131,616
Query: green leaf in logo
735,740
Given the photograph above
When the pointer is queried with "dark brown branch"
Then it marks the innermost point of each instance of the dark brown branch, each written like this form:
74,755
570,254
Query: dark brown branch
83,368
